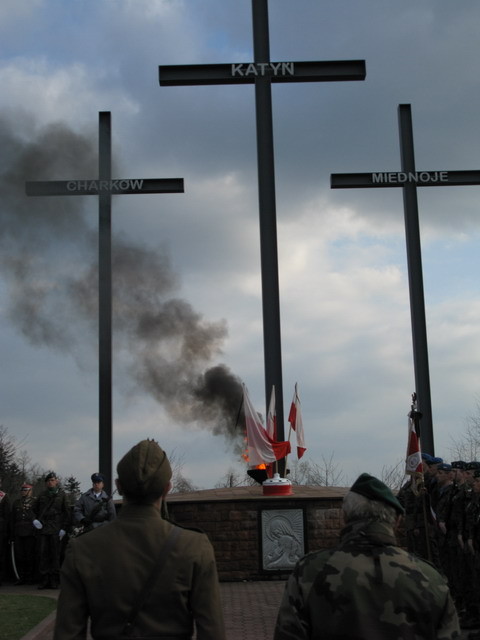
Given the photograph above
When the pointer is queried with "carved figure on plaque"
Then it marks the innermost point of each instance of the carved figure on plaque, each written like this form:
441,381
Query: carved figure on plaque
282,538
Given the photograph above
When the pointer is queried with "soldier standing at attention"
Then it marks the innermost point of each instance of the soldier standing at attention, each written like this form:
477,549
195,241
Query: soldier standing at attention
140,576
366,588
23,533
51,520
94,508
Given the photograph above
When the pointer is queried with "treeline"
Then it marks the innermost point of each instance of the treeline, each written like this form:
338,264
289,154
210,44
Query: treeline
16,467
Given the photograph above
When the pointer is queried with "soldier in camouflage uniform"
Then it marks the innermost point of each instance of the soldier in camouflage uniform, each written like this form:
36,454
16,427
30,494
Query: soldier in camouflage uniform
455,526
472,550
446,541
366,588
469,615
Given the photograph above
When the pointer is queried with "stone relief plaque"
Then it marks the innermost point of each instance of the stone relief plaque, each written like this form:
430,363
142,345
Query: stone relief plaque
282,538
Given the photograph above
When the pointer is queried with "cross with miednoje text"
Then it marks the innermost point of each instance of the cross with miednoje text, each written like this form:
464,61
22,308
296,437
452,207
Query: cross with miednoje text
104,187
262,73
409,179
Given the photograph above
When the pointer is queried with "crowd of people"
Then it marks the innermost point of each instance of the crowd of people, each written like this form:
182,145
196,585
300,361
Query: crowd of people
36,530
442,525
406,565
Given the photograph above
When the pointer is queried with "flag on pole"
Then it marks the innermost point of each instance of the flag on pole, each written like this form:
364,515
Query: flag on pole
413,463
272,429
295,419
272,416
262,449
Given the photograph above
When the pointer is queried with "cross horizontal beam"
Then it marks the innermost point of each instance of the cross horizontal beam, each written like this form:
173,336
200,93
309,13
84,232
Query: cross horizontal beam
248,72
383,179
96,187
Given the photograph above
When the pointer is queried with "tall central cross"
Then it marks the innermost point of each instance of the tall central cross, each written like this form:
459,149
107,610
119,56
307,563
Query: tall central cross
104,187
262,72
409,179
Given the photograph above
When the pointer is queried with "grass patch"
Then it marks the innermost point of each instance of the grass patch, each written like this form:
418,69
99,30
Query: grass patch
19,614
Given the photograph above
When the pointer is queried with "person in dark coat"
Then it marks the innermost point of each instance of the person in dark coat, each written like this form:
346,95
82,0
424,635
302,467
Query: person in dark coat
51,521
23,535
140,576
95,507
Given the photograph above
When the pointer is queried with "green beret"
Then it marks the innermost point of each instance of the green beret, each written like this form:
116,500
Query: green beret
144,470
374,489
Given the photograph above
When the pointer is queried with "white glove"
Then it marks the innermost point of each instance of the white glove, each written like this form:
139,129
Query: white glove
37,524
61,533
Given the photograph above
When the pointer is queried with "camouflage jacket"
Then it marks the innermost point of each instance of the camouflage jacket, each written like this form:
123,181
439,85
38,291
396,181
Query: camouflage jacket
366,588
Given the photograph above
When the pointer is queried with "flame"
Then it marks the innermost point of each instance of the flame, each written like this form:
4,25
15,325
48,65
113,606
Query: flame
245,457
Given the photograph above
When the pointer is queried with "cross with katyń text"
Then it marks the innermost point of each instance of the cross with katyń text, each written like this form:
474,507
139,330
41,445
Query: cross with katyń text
262,72
409,179
104,187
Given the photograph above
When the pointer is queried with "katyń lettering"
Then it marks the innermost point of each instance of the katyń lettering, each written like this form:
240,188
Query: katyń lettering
416,177
263,69
104,185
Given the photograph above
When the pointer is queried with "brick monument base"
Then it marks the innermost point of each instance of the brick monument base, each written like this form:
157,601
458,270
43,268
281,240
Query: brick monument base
258,537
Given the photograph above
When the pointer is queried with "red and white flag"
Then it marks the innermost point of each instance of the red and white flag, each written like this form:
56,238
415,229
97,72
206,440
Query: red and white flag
413,461
295,419
262,449
413,464
272,416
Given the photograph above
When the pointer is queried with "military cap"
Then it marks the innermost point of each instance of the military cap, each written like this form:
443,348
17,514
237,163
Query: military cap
97,477
50,476
471,466
144,470
427,457
444,467
25,485
374,489
459,464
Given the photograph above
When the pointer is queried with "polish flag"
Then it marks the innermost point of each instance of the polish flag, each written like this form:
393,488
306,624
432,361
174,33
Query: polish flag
262,449
272,428
413,464
296,422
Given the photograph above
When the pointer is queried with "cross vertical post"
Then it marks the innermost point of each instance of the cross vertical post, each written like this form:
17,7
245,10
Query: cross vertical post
409,179
415,280
262,73
105,416
268,221
104,187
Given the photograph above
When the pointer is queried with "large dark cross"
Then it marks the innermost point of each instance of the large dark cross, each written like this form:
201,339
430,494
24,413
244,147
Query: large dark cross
262,72
409,179
104,187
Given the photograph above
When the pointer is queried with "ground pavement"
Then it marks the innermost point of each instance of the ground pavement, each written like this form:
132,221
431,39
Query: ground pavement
250,609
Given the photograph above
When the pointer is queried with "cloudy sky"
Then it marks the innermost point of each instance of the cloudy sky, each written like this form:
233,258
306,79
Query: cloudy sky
187,266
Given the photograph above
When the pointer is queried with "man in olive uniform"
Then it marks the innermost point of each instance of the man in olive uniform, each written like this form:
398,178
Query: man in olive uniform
51,520
367,587
140,575
23,533
5,507
95,507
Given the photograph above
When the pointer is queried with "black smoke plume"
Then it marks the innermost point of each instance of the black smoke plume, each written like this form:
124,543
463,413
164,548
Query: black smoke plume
48,258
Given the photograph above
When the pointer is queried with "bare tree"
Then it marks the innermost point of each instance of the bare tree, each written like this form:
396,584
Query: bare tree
467,445
324,474
394,477
181,484
234,478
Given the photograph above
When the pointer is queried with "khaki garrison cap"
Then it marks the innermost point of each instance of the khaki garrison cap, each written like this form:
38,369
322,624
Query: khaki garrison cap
144,470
